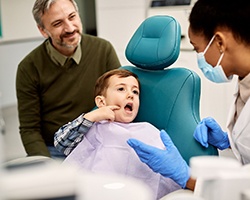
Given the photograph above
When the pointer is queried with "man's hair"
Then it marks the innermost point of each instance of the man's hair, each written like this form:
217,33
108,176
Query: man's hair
207,15
41,6
102,82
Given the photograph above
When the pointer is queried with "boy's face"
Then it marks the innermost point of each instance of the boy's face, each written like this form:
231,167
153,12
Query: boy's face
123,92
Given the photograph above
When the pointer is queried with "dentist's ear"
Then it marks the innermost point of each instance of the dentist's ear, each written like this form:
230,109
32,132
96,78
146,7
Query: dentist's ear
100,101
221,41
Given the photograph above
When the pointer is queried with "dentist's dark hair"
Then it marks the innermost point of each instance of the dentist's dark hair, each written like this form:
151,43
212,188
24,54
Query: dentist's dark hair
207,15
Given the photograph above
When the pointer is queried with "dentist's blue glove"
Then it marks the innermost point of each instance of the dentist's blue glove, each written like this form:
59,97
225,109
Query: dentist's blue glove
208,131
168,163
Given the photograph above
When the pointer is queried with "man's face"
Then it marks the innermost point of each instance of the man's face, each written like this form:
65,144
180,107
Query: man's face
63,25
123,92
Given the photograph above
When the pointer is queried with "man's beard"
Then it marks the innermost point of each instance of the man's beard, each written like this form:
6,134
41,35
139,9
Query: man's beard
69,46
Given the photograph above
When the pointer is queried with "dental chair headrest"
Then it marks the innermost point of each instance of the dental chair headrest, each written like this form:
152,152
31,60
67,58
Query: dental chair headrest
156,43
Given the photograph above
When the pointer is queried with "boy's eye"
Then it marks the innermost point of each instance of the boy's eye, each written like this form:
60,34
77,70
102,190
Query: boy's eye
121,89
136,92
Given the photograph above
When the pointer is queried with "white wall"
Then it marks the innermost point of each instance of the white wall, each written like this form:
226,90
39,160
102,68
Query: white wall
19,36
17,20
117,20
10,55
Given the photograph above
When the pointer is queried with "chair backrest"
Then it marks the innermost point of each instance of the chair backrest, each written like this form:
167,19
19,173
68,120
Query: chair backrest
170,97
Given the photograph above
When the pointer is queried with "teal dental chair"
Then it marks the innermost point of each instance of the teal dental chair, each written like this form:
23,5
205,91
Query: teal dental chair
170,97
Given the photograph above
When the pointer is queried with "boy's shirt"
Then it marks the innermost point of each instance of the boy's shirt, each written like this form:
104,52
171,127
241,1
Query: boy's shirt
71,134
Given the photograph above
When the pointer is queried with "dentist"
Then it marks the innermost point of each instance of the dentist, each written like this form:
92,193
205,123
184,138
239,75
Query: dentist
220,33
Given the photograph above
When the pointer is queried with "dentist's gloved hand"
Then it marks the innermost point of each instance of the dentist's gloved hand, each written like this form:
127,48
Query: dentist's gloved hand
168,163
208,131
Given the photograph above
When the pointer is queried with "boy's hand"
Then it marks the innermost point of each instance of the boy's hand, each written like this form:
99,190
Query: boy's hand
102,113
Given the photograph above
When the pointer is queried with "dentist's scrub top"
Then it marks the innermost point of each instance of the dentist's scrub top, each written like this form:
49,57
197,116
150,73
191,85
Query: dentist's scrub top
105,149
239,122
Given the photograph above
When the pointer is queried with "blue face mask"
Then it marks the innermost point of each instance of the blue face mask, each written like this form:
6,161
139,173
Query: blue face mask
214,74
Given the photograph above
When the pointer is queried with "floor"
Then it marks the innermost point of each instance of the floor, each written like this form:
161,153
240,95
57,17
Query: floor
12,145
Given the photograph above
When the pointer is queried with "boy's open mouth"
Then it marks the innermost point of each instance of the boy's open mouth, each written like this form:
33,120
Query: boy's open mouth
129,107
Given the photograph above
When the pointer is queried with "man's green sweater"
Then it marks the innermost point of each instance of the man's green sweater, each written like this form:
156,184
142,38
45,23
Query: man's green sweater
50,95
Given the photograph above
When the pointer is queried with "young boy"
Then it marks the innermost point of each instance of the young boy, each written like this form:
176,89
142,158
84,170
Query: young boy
104,147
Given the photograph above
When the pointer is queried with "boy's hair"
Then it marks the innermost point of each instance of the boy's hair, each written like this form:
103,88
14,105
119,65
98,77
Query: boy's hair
102,82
